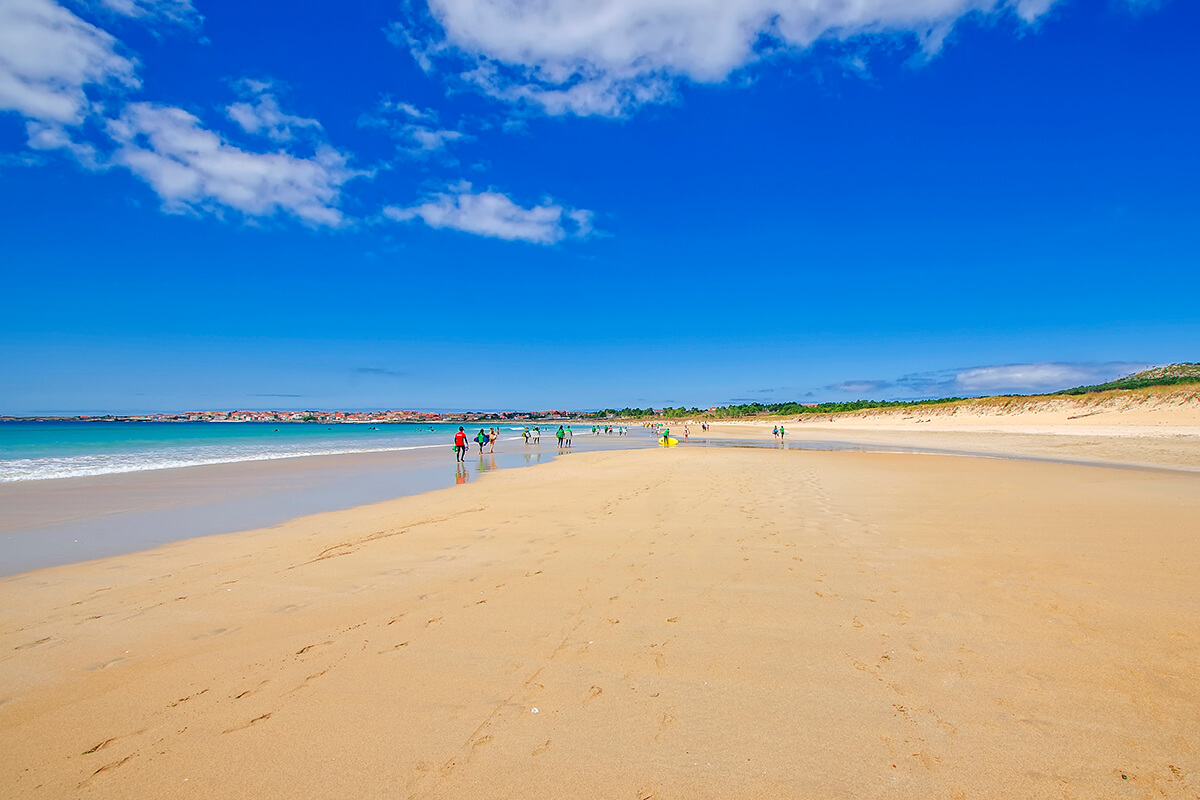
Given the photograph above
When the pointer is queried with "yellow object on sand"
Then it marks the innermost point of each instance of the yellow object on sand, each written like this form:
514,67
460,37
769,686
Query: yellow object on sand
668,442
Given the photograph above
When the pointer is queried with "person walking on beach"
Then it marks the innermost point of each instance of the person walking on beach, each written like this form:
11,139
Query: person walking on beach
460,445
481,439
495,434
560,435
568,437
775,432
781,433
525,434
537,434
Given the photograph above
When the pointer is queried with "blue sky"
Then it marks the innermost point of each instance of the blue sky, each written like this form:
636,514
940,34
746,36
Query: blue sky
500,204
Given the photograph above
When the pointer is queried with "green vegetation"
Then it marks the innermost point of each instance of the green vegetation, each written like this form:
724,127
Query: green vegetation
1159,376
757,409
753,409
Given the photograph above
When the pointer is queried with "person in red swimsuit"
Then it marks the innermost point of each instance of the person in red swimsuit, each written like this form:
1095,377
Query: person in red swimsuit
460,445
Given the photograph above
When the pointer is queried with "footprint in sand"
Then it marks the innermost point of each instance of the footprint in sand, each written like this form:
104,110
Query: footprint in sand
259,718
99,665
39,643
541,748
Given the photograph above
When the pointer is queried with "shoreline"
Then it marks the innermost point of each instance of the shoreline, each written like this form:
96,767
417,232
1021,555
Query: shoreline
73,519
718,620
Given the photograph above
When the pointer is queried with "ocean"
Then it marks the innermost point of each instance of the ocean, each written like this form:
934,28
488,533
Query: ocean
46,450
74,491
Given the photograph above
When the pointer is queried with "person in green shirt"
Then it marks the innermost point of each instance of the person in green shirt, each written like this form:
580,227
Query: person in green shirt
560,436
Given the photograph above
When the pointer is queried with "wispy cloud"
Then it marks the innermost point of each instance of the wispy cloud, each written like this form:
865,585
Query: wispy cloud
490,213
273,394
381,371
416,130
610,57
178,11
859,386
259,113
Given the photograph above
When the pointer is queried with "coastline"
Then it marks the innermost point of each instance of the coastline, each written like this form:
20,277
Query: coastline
743,621
66,520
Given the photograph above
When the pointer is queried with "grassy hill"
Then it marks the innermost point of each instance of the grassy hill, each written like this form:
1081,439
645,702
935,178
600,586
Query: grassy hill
1159,376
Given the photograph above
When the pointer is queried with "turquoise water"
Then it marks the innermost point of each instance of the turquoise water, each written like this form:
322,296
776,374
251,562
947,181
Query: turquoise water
47,450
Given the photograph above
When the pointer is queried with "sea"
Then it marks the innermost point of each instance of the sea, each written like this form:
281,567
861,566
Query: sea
73,491
31,450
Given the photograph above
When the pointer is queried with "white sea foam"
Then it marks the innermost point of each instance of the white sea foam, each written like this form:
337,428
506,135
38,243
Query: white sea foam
35,469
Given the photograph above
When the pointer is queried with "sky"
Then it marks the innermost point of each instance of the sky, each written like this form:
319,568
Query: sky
503,204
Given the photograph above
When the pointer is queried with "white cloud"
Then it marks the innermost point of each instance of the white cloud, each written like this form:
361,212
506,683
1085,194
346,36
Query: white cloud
53,136
608,57
409,110
47,58
1044,377
428,140
494,214
416,129
259,113
180,11
192,168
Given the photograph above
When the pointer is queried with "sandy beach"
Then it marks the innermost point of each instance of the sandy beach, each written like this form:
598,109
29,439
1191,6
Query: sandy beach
1158,427
720,621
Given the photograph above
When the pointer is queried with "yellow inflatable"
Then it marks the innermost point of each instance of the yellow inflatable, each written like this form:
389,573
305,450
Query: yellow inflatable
668,442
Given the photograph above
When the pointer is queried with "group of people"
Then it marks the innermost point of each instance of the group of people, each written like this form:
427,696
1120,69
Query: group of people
531,434
484,439
778,432
607,430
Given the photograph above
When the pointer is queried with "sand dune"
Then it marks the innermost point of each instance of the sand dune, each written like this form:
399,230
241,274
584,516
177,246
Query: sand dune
686,622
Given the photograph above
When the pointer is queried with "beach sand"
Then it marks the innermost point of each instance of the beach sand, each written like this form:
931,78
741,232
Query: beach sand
1159,426
666,623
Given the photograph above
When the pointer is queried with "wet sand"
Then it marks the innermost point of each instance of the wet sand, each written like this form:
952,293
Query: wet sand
1149,434
686,622
66,520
